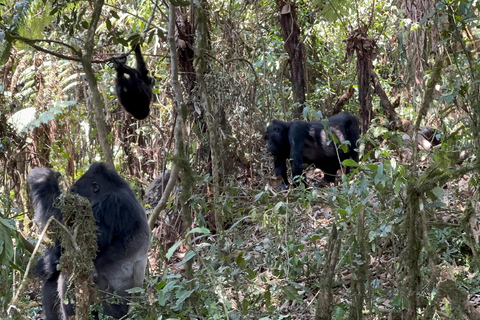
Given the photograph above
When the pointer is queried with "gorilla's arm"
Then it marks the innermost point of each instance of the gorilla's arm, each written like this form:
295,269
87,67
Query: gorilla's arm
281,170
44,189
296,136
46,266
141,65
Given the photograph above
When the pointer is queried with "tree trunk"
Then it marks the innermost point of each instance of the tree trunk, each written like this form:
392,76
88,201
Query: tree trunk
98,105
366,50
212,123
42,136
181,164
294,47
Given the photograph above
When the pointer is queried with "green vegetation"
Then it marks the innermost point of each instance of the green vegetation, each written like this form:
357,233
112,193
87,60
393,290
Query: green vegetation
397,239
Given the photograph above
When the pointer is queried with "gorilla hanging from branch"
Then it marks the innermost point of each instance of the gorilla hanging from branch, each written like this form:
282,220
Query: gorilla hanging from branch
123,237
133,86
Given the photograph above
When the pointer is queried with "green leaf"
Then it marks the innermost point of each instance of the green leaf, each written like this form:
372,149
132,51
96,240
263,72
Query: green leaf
245,306
190,254
379,175
350,163
182,295
305,112
7,50
258,196
240,260
278,206
291,293
172,249
251,274
6,244
438,192
136,290
199,230
398,186
114,14
7,223
161,285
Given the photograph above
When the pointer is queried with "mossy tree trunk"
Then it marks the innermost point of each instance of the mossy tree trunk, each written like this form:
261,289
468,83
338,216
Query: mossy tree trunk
216,149
181,166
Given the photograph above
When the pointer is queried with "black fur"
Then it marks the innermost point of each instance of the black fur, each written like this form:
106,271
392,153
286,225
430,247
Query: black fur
307,144
44,190
123,240
134,91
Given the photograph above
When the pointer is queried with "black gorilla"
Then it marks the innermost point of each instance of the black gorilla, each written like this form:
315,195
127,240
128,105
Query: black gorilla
123,237
134,91
44,188
306,143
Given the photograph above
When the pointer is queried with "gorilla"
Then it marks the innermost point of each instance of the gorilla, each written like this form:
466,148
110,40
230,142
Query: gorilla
134,91
306,143
44,188
123,237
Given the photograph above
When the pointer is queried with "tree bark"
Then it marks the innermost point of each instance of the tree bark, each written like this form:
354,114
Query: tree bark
98,104
325,295
294,47
213,126
180,160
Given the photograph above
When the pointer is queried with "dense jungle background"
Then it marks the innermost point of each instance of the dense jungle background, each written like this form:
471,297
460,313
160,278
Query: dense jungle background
398,238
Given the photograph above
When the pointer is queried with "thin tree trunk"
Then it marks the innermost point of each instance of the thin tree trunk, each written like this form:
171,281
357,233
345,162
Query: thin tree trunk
360,269
325,295
364,67
413,223
212,124
98,105
294,47
181,164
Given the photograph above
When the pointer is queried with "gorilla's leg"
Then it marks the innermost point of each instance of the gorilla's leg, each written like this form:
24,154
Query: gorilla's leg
50,298
66,310
297,136
281,170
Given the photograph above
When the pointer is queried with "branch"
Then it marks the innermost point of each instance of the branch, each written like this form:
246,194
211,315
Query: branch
31,43
25,275
162,204
89,45
140,18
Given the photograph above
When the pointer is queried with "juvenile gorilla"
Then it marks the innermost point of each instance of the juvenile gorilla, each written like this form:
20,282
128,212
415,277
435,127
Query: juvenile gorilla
306,143
123,237
134,86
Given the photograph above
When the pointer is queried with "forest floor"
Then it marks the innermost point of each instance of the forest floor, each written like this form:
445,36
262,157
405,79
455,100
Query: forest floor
385,267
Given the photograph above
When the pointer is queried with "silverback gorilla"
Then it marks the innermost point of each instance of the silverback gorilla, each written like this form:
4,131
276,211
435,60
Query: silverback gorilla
134,91
306,143
123,237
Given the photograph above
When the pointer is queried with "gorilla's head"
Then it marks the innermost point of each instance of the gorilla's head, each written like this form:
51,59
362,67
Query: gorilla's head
276,138
100,179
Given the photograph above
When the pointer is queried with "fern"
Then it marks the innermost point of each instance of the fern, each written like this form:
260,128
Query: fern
21,10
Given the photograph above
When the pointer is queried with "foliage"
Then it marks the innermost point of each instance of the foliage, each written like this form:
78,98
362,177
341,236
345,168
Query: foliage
275,243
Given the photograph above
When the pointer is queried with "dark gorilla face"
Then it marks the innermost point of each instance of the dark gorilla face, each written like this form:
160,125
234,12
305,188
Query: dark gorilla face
94,180
277,137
